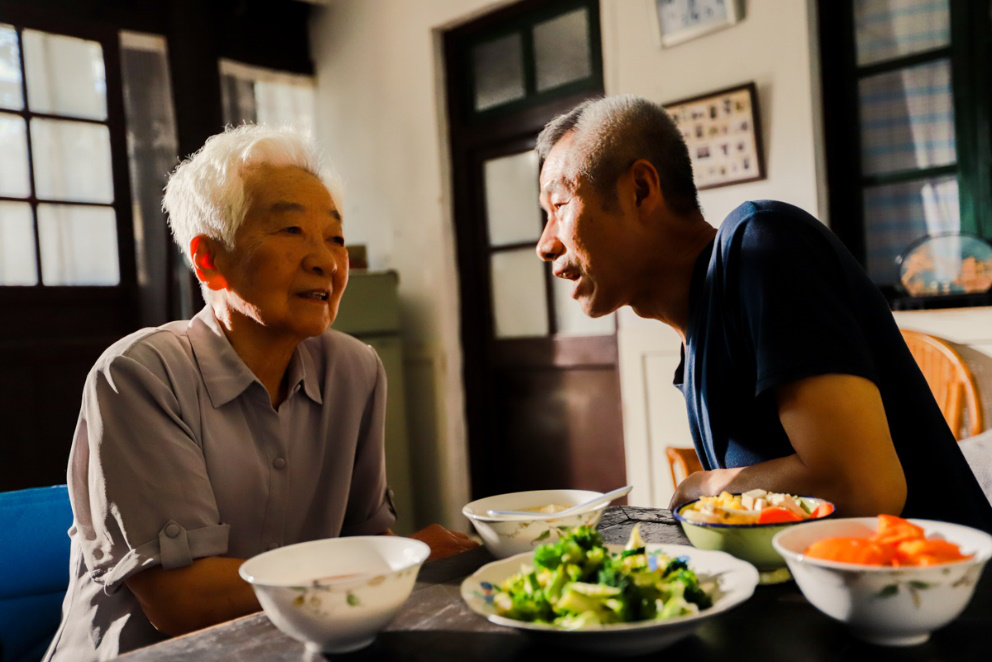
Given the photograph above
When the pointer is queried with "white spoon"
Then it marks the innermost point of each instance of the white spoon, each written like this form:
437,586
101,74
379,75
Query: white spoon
591,504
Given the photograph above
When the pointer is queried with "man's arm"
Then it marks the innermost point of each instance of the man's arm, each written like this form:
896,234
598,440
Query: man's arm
844,451
181,600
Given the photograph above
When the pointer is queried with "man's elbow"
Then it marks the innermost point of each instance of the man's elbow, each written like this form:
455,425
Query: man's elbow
882,494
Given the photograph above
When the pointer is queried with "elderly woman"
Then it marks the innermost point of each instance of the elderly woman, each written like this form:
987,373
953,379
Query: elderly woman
251,426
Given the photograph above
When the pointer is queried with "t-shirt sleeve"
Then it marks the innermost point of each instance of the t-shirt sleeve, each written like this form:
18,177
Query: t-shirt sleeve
795,305
370,507
138,481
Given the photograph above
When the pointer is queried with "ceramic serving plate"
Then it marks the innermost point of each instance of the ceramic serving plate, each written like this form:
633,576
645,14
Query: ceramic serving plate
735,581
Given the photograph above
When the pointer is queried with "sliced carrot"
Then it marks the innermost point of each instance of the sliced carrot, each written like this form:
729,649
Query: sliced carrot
777,515
850,550
823,510
893,530
928,551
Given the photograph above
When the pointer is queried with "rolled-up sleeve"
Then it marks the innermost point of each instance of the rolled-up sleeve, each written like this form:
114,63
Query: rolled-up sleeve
137,477
370,507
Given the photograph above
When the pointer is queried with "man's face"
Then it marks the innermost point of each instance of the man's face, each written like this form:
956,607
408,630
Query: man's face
289,266
581,240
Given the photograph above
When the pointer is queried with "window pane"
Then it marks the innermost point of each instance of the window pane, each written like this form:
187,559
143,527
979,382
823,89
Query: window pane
10,69
907,119
898,214
14,175
569,318
499,71
17,261
71,161
266,96
561,50
887,29
78,245
512,209
65,75
520,302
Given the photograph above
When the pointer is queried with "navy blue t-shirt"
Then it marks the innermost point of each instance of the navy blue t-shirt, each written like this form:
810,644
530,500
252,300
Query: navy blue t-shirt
775,298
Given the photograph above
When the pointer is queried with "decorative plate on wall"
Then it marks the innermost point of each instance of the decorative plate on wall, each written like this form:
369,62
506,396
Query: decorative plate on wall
951,263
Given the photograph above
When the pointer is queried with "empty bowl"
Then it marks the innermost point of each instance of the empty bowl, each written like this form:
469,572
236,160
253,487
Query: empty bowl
335,595
891,606
507,536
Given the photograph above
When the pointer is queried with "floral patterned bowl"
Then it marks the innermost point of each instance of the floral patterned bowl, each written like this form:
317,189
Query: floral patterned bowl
334,595
883,605
505,537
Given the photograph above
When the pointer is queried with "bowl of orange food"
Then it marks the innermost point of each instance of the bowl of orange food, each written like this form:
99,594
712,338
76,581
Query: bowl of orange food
893,581
743,525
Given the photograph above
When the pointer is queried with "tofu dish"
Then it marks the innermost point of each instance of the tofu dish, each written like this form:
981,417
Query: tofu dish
755,507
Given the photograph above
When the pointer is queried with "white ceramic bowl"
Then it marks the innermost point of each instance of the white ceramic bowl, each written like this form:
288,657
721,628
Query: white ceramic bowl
334,595
505,537
883,605
735,580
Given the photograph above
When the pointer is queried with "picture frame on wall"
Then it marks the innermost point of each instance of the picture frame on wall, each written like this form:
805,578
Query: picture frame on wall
681,20
723,133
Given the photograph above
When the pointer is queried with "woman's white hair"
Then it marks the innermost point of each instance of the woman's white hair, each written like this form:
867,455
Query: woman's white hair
206,192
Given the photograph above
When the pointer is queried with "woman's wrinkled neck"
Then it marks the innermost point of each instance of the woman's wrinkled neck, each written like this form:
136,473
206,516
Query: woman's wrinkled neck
268,359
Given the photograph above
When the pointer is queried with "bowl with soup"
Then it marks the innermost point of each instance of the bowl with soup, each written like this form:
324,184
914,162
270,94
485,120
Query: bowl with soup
334,595
508,535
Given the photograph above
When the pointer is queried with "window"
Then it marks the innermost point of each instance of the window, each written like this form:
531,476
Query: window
906,114
265,96
58,222
542,55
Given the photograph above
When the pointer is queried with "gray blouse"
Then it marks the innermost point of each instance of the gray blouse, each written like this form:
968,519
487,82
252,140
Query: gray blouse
178,454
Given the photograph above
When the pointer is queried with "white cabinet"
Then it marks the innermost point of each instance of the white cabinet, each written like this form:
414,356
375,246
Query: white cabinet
370,311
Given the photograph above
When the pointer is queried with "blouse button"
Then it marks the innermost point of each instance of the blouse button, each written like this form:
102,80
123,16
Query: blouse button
279,463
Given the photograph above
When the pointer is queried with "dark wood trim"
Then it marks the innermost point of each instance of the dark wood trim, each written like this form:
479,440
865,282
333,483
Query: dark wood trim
558,352
842,140
909,175
905,62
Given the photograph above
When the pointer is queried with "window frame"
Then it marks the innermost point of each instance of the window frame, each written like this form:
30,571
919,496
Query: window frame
970,56
116,125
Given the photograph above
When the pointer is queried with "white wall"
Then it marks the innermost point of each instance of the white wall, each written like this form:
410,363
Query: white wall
380,118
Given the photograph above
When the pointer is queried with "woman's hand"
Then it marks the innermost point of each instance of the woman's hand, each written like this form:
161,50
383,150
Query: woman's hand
443,542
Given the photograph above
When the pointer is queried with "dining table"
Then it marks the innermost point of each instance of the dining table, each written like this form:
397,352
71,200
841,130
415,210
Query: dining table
776,623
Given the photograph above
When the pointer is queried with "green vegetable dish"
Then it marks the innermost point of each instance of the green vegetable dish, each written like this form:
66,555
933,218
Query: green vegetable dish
577,582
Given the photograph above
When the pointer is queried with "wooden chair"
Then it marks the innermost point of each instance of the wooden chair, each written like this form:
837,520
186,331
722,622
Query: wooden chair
951,381
682,462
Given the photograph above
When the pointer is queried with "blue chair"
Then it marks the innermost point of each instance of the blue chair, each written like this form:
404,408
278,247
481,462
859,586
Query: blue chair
34,569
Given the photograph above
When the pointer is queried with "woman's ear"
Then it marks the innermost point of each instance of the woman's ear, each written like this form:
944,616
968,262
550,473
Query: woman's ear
204,252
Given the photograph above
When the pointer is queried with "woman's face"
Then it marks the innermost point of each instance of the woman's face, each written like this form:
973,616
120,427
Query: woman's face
289,266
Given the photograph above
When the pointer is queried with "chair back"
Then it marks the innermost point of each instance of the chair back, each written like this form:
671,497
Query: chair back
951,381
682,462
34,569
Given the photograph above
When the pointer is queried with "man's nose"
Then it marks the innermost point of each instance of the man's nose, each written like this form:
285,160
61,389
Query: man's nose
548,246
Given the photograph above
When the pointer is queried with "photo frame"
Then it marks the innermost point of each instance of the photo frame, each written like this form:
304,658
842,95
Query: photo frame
682,20
723,133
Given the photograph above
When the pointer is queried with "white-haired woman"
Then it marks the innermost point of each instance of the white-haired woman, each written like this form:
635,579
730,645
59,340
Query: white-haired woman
201,443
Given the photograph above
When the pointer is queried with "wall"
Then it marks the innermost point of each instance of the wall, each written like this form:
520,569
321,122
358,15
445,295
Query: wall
380,118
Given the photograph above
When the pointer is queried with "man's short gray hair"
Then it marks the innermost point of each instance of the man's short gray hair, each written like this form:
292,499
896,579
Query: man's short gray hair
613,132
206,192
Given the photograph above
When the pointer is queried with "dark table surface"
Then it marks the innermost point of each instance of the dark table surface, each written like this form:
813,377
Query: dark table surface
777,623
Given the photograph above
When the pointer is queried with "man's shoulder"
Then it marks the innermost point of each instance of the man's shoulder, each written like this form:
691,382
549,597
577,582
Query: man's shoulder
762,225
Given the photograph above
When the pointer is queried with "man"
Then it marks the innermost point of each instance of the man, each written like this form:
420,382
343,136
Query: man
795,375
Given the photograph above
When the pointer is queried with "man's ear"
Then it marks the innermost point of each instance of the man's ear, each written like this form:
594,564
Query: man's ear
647,184
204,252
